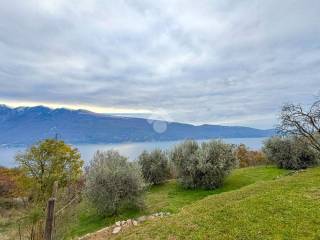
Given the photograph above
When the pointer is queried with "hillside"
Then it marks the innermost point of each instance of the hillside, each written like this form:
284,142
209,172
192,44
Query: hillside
26,125
171,197
286,208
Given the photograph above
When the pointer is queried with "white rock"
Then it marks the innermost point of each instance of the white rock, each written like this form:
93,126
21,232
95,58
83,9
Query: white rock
142,219
135,223
129,222
116,230
118,224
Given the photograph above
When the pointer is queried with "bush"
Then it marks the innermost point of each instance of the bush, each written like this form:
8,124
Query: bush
203,166
113,183
289,153
12,182
247,157
154,166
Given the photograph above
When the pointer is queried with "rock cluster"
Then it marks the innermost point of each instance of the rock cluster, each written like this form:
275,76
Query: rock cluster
120,225
134,222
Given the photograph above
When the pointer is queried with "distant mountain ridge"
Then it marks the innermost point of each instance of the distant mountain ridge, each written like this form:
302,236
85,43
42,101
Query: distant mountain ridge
26,125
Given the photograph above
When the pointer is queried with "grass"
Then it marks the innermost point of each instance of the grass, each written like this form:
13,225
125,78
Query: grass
9,214
172,197
286,208
89,221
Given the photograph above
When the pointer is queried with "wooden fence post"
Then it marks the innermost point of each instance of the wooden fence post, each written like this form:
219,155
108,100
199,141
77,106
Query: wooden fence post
49,219
48,230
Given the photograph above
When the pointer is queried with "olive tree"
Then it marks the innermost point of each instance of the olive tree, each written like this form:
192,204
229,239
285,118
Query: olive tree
113,183
154,166
290,152
205,165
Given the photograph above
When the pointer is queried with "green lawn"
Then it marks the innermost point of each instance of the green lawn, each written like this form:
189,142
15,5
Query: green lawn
172,197
286,208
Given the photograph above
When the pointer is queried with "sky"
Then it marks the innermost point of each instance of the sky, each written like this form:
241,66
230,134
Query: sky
214,62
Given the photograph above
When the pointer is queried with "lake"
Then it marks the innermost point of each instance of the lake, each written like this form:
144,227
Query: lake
130,150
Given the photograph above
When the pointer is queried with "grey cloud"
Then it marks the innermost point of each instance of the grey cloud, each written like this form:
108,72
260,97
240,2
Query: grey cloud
202,62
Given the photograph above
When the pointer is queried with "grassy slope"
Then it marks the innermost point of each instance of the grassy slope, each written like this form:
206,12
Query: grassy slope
287,208
171,197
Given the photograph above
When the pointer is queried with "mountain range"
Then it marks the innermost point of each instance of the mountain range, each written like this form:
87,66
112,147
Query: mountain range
26,125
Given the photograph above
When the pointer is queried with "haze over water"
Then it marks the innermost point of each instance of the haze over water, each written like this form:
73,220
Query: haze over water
130,150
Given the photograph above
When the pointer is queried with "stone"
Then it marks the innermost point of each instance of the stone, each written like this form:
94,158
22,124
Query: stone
123,223
135,223
151,217
118,223
116,230
142,219
129,222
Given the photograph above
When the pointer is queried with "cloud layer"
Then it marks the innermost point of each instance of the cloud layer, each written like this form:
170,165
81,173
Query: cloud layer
229,62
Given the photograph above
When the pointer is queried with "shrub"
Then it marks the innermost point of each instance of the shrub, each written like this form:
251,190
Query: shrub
172,170
7,182
113,183
154,166
247,157
289,152
12,183
203,166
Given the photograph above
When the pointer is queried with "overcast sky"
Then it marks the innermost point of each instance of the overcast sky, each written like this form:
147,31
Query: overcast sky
225,62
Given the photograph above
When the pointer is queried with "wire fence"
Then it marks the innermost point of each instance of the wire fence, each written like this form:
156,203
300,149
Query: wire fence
49,224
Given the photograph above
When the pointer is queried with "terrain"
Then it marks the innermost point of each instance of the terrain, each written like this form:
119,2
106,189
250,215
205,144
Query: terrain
171,197
26,125
285,208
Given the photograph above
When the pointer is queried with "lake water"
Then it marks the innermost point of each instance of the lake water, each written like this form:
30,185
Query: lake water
130,150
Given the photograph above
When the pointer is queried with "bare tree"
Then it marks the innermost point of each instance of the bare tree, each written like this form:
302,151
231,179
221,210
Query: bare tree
295,120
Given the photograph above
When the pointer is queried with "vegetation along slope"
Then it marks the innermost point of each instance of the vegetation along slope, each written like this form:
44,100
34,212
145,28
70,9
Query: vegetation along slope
287,208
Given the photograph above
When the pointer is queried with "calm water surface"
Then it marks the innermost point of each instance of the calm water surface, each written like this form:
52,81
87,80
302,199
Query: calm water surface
130,150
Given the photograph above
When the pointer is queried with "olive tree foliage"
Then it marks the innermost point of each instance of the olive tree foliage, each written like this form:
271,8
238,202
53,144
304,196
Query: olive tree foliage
304,123
154,166
113,183
205,165
48,161
290,152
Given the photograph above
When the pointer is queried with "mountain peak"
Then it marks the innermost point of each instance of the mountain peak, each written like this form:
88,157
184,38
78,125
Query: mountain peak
4,106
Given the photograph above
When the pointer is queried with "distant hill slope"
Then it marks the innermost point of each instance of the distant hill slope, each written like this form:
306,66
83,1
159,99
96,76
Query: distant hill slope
25,125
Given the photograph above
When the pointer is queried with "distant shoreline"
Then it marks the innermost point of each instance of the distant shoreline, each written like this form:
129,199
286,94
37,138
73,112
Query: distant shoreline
20,145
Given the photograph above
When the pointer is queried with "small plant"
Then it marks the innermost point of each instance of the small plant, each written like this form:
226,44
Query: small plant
247,157
290,152
113,183
203,166
154,166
